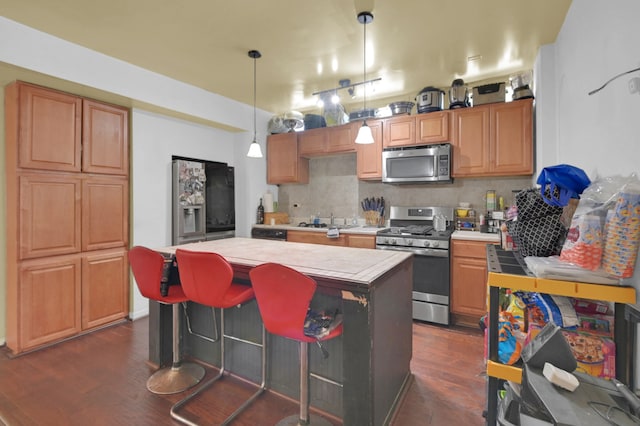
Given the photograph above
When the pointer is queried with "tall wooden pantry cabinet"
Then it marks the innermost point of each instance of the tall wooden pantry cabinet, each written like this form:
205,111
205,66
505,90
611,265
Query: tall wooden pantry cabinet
67,188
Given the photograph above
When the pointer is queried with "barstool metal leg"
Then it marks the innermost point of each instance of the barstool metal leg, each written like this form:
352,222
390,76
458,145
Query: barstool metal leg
174,410
303,418
181,375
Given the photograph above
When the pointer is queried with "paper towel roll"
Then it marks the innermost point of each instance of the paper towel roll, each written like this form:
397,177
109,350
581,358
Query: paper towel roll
268,202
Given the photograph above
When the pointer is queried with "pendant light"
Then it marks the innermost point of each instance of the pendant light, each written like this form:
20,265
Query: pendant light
364,134
254,148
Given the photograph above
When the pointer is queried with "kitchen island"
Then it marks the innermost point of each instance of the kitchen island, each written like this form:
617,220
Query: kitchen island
368,366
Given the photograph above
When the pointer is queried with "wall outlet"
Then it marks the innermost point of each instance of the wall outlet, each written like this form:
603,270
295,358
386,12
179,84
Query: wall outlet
297,205
634,85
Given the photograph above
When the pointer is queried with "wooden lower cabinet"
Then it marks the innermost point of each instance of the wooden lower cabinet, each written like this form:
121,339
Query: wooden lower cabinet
105,287
62,296
468,281
343,240
361,241
316,238
48,303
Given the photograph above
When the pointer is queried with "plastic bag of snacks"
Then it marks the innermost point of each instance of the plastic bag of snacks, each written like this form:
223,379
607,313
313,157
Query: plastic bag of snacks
606,225
622,229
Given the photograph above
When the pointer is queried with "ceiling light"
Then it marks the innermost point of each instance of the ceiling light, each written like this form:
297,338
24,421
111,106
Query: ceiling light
254,148
335,99
364,134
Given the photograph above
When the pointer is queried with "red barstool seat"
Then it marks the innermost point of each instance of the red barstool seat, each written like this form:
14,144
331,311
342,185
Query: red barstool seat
283,295
207,279
147,266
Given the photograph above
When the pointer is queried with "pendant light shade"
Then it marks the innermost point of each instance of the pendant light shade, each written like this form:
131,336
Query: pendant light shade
364,134
254,149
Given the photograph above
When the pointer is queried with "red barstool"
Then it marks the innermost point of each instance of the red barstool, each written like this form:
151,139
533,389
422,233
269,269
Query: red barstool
207,279
147,266
283,295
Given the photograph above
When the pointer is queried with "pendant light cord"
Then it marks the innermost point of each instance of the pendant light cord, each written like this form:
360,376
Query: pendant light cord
364,64
254,98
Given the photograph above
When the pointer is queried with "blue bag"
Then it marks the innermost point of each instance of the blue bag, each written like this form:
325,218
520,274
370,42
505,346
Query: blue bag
561,183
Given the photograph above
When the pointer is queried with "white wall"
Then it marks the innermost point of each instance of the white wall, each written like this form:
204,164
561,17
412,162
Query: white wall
598,133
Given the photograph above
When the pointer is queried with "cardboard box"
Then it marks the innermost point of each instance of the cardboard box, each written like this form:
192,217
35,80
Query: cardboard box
278,218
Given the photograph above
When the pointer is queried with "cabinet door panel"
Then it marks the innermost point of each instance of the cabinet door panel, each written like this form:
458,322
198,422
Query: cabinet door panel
315,238
471,151
399,131
49,129
369,157
433,127
312,142
469,293
511,130
283,163
49,300
105,138
105,213
49,216
341,139
105,287
362,241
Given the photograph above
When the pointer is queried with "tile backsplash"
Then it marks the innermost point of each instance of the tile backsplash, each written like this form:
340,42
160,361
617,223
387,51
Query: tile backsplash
334,188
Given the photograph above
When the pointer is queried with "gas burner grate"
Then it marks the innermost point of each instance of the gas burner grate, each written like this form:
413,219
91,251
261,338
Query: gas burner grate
416,229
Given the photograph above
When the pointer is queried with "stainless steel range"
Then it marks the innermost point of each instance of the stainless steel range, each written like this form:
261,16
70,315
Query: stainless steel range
412,229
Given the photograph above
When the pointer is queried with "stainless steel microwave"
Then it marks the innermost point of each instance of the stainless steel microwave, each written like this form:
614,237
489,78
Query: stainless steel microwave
419,164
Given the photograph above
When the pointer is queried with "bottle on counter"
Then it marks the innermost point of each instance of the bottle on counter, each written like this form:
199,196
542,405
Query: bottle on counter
260,214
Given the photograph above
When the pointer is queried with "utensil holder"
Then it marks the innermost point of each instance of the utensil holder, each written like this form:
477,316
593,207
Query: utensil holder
372,217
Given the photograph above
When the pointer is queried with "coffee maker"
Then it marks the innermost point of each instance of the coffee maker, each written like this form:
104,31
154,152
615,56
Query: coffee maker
458,94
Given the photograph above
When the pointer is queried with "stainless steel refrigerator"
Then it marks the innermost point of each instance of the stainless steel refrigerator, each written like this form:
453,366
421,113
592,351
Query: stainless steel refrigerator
203,200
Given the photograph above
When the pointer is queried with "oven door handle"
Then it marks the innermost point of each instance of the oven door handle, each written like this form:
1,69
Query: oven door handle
417,251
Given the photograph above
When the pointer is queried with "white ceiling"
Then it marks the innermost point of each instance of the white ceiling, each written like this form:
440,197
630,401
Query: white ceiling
410,43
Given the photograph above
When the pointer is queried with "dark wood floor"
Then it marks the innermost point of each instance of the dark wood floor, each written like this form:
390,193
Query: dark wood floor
99,379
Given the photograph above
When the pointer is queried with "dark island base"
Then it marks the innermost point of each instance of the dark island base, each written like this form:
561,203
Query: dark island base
371,359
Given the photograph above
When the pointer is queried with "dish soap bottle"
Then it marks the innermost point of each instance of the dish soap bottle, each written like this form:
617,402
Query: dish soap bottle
260,214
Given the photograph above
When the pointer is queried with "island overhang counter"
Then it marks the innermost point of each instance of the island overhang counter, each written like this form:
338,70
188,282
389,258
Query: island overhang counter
368,365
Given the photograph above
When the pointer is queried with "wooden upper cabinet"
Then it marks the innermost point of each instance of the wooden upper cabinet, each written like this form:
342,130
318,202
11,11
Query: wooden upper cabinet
312,142
49,215
326,140
284,165
105,138
471,148
341,139
493,140
49,127
432,127
512,137
369,157
105,208
399,131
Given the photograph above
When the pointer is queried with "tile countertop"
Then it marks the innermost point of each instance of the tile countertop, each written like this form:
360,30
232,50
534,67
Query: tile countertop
366,230
351,265
475,236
